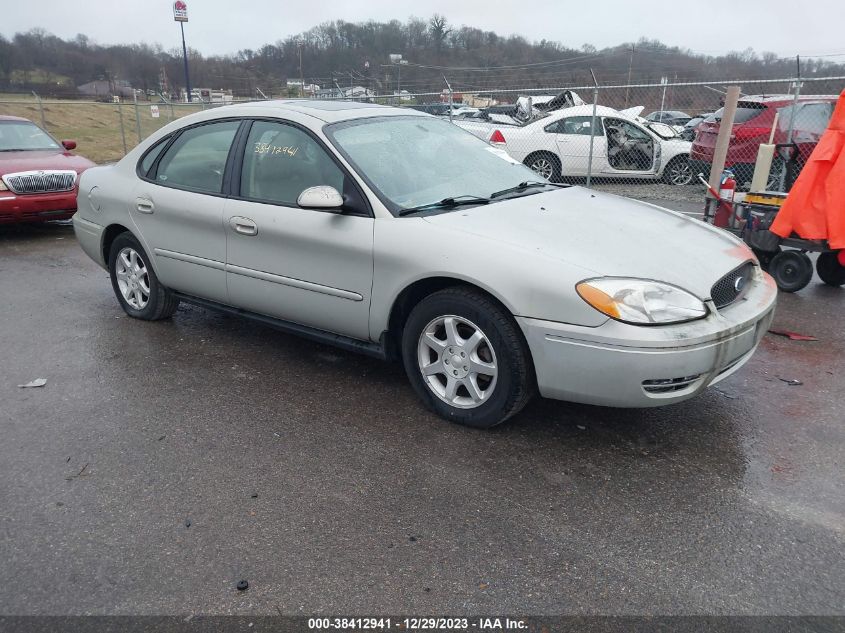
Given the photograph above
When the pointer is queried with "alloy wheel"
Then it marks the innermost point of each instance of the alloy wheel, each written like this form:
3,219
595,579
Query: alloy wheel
457,361
680,173
544,167
133,281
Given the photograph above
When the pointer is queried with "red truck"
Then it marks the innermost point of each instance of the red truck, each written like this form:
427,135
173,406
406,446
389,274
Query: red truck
755,116
39,175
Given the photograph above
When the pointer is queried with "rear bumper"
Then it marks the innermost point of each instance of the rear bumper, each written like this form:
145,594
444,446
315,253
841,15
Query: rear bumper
36,207
621,365
90,238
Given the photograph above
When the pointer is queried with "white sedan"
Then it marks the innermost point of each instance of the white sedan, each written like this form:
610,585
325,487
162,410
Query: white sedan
360,226
558,146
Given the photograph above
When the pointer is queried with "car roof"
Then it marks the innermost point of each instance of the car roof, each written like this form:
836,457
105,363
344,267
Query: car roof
583,110
783,97
329,111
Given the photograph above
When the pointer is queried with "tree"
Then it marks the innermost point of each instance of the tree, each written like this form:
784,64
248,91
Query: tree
439,30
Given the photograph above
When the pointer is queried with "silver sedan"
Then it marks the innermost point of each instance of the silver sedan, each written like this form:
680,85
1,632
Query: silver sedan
396,234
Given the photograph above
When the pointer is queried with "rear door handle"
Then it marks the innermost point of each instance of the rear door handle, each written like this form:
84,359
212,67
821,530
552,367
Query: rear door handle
242,225
144,205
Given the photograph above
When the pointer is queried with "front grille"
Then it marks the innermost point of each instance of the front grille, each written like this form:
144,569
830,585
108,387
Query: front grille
40,181
730,287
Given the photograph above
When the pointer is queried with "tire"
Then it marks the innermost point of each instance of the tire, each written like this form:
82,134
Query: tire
439,334
135,284
678,172
792,270
830,270
546,164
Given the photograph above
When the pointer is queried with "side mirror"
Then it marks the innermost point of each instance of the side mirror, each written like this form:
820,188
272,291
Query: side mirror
321,197
69,145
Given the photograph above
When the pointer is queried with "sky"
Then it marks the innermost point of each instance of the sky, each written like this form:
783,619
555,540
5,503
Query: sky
786,27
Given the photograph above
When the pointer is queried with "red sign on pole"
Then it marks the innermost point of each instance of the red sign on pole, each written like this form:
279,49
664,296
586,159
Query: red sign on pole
180,11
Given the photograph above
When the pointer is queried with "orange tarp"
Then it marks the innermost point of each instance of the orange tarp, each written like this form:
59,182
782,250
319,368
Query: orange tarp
815,206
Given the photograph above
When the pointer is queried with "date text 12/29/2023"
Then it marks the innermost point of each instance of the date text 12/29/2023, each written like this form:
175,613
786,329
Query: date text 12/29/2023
418,624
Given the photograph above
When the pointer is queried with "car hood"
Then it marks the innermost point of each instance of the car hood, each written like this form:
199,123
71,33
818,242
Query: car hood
605,235
11,162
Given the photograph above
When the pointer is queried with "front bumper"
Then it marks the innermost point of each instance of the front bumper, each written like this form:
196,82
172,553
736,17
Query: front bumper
38,207
620,365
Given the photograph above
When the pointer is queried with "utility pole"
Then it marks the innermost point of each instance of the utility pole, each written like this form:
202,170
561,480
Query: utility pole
180,15
630,66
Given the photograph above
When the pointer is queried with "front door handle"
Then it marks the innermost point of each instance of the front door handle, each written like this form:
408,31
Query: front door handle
144,205
242,225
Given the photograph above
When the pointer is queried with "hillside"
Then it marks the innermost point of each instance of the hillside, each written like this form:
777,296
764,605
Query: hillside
358,53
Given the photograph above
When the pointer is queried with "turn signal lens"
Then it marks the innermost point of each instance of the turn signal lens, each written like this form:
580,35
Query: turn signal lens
641,301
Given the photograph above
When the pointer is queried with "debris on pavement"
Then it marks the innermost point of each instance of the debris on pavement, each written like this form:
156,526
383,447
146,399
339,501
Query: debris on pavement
793,336
187,523
792,382
242,585
38,382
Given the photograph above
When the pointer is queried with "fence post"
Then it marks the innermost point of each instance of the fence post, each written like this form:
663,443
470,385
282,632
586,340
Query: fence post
450,97
592,129
791,130
41,109
122,131
137,114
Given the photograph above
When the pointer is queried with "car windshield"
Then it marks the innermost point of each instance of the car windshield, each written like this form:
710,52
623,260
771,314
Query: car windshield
24,136
412,161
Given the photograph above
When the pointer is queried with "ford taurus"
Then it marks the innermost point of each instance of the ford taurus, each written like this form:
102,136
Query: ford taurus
396,234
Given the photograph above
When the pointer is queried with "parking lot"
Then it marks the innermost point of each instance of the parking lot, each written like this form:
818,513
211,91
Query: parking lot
164,462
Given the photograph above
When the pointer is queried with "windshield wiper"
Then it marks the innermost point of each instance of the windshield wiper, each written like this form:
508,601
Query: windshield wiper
520,187
446,203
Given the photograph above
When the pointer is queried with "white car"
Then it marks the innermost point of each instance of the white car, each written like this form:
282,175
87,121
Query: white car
558,146
360,226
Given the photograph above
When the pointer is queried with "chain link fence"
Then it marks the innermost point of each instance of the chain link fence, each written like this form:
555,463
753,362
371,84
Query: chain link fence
648,141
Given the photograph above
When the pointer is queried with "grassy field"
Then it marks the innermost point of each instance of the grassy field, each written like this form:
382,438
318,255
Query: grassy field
96,127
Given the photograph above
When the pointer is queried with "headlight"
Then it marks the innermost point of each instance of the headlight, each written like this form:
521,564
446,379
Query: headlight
640,301
3,186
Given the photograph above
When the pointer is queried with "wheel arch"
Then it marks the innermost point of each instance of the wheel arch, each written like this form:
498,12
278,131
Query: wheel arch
109,235
416,291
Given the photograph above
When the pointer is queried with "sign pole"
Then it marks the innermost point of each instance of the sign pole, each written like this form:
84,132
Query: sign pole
180,14
185,56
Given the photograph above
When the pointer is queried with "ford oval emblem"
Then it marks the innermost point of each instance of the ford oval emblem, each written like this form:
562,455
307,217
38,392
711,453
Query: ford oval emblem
739,284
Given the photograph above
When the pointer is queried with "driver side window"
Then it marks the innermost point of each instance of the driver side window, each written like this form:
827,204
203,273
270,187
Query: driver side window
281,161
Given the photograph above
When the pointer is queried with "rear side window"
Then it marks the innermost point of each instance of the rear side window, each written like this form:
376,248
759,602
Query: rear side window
576,125
196,160
745,111
810,117
150,157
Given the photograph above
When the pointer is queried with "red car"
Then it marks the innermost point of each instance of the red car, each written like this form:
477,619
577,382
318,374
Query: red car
38,175
755,116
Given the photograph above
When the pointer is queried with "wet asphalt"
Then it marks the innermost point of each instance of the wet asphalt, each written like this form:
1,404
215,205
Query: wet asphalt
164,462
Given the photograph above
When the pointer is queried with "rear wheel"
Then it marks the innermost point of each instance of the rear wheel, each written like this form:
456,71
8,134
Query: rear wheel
830,270
135,284
791,270
466,358
545,164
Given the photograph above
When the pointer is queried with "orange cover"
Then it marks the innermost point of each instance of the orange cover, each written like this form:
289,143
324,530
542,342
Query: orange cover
815,206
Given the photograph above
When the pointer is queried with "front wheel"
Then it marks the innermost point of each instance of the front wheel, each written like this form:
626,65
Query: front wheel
678,172
466,358
135,284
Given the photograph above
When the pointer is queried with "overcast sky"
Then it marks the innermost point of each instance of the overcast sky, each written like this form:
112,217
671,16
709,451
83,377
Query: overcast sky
787,27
